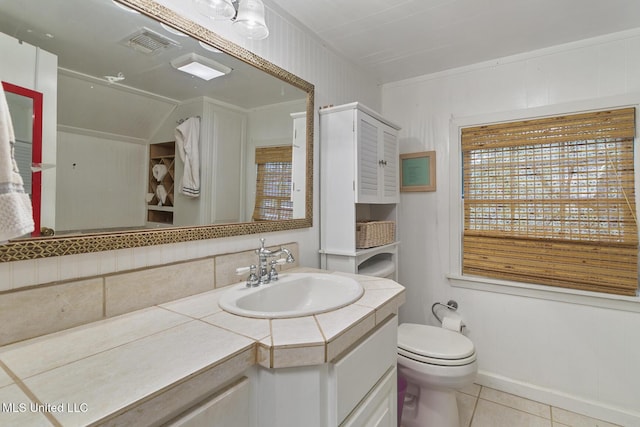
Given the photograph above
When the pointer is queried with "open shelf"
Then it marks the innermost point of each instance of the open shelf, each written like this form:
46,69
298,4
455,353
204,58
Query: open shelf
164,154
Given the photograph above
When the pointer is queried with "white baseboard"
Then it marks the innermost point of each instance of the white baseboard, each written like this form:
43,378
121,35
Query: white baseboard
569,402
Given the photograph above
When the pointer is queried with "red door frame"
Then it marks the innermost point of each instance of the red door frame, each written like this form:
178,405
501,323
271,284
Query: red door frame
36,156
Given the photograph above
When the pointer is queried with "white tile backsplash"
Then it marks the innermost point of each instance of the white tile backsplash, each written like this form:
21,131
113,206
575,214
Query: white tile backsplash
6,272
72,290
68,267
23,273
124,259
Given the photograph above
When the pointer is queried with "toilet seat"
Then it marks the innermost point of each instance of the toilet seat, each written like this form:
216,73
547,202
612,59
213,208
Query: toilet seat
435,346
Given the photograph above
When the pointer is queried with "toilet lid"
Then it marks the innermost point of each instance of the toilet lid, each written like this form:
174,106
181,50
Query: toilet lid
433,342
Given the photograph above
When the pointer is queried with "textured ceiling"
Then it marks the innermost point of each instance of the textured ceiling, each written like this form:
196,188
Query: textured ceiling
399,39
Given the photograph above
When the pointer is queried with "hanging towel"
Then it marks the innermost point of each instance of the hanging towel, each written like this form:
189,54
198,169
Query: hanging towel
16,215
187,138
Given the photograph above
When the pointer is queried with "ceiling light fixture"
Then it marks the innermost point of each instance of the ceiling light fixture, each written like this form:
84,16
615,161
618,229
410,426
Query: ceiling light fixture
247,15
201,67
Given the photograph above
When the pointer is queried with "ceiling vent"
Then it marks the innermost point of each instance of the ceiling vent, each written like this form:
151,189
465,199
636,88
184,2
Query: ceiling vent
149,42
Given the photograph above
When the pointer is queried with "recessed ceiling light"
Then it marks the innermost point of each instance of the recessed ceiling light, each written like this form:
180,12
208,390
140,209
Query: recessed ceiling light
199,66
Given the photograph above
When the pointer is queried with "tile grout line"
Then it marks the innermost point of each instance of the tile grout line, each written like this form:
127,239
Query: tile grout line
517,409
551,418
475,406
23,387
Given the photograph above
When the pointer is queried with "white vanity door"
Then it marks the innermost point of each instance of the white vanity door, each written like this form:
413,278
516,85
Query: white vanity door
227,409
379,407
360,371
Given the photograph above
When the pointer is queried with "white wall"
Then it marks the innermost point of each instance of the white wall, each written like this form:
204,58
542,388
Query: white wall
101,183
576,352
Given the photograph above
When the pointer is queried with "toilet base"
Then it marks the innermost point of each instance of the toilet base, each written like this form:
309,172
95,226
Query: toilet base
433,408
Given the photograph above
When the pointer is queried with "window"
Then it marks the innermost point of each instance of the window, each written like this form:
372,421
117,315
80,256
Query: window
273,184
552,201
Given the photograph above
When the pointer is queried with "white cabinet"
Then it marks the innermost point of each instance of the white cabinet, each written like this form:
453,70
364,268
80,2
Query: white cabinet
379,408
359,147
356,375
376,158
357,389
359,168
228,408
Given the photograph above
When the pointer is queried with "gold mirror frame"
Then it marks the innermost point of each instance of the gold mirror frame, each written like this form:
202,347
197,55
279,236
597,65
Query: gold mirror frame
20,250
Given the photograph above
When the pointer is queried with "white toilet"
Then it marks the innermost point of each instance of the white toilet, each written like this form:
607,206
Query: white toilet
435,362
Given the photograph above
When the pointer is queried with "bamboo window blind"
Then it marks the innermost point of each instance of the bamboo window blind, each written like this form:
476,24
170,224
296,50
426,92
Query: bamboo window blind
273,184
552,201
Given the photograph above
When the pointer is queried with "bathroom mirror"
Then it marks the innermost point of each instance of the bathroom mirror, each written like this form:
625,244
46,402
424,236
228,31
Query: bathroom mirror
259,98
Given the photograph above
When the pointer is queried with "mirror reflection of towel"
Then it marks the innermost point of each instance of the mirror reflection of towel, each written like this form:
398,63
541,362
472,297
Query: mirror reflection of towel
159,171
187,138
161,193
16,217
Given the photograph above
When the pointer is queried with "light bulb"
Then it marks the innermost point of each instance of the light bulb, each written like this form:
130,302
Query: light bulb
216,9
250,20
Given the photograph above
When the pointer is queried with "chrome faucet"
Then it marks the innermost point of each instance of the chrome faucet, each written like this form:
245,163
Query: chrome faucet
264,275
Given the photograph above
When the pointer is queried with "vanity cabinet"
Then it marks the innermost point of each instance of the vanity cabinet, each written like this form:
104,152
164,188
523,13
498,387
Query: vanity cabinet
228,408
359,169
379,408
360,379
359,388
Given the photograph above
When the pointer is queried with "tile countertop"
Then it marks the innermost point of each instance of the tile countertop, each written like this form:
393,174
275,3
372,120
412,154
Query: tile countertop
158,361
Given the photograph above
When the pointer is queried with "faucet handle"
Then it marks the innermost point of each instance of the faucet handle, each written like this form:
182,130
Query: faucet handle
273,273
252,280
242,270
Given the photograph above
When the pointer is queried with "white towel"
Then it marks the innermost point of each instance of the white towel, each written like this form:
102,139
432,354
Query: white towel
161,193
187,138
16,213
159,171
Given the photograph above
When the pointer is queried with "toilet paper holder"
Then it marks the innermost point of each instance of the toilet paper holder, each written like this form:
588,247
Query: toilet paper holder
450,305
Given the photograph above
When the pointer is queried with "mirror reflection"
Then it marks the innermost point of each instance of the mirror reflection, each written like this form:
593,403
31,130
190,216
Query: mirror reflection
135,137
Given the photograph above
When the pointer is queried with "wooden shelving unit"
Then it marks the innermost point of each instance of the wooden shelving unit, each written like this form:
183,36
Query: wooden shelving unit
163,153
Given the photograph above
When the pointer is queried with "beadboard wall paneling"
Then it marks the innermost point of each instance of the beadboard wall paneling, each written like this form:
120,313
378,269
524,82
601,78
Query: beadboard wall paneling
564,351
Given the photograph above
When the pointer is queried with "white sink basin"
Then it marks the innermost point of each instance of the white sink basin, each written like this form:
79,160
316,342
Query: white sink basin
293,295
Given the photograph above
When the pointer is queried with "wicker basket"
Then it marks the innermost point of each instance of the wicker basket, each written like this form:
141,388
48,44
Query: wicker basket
374,233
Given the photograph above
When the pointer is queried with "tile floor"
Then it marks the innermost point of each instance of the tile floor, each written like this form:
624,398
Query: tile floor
485,407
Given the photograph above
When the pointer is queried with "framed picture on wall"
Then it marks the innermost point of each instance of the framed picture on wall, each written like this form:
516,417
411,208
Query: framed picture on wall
418,171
